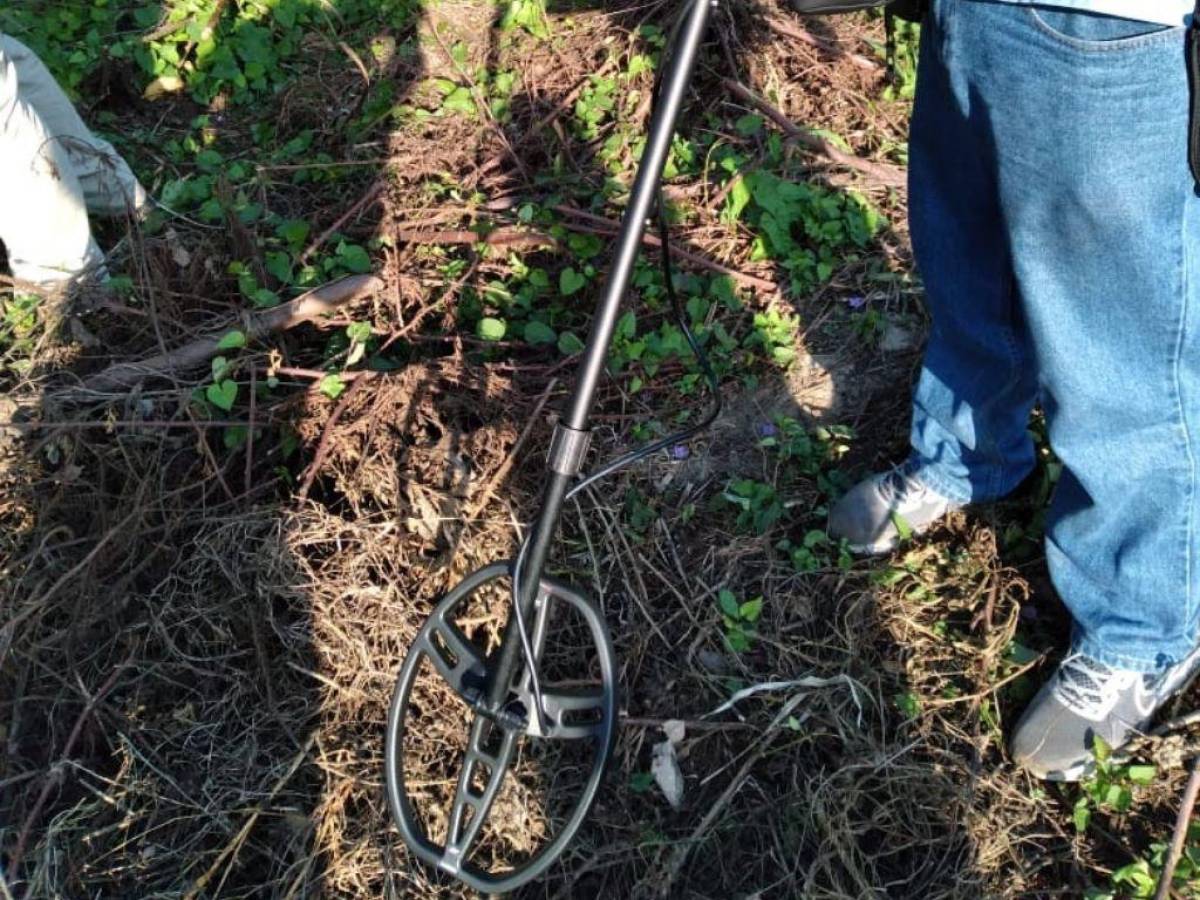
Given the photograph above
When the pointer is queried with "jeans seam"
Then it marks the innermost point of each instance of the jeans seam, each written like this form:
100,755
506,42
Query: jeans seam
1014,359
1176,362
1117,45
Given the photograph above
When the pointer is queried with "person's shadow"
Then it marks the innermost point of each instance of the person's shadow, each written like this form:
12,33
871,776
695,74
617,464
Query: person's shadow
227,653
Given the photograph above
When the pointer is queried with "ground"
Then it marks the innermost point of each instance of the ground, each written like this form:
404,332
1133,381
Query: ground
210,574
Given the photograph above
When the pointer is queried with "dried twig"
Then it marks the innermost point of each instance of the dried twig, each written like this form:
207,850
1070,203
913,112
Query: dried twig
317,302
883,173
240,838
499,237
372,194
54,777
680,854
1179,836
783,26
323,444
608,226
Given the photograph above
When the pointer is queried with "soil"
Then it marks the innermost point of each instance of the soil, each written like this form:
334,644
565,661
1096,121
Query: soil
198,645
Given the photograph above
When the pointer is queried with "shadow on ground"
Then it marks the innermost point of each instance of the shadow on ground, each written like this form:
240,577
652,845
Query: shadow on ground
197,664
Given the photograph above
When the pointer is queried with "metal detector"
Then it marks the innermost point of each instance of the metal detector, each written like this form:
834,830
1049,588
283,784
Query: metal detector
506,695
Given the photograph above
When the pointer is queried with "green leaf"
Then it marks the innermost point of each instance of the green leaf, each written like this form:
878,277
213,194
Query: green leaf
354,257
909,704
491,329
751,610
332,386
569,344
570,281
279,264
360,332
902,526
234,436
1100,749
539,333
727,602
1082,814
749,124
1020,654
1142,774
737,639
459,100
294,231
640,782
220,367
222,394
232,340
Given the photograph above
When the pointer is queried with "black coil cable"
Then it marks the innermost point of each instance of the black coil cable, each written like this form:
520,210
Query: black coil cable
639,453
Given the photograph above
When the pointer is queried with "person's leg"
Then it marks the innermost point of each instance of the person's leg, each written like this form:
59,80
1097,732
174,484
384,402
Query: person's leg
1090,115
978,381
43,220
109,186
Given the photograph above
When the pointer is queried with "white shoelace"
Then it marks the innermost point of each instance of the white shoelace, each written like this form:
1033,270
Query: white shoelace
899,488
1091,688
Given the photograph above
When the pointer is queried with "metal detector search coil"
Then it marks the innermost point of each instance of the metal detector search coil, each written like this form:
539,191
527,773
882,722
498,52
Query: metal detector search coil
504,691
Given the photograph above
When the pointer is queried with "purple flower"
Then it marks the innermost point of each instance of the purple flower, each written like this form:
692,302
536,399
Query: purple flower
680,451
856,301
767,429
1029,612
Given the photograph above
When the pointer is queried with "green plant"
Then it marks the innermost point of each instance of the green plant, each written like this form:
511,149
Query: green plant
758,504
1110,787
18,324
816,551
776,334
804,228
810,451
869,326
739,620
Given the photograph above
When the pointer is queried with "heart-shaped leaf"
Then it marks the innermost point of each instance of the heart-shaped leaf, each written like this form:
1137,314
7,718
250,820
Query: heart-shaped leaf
570,281
539,333
222,394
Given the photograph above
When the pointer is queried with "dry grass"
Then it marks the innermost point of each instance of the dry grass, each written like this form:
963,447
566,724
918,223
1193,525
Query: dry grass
196,666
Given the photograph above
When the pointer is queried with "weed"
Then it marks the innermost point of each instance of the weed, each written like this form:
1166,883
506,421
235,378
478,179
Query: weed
805,229
1110,787
757,503
739,620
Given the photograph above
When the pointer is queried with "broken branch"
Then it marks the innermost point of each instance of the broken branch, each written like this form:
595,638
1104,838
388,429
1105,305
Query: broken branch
314,304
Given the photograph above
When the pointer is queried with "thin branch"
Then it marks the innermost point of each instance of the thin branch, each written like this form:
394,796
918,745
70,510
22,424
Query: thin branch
883,173
314,304
608,226
54,776
1179,837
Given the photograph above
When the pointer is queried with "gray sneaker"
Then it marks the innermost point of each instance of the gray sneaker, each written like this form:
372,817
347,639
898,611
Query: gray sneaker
1084,699
867,515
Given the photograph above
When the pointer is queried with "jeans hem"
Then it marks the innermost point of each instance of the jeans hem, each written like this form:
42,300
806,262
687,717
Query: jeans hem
1147,665
928,475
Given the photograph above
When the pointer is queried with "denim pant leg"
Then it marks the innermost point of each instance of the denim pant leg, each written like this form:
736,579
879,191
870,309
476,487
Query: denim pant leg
1088,118
978,382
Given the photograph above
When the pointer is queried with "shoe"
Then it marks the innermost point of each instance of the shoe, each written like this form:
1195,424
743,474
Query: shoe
872,514
1085,699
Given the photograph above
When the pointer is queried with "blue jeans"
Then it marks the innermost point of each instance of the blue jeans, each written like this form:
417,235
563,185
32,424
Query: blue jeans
1057,229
